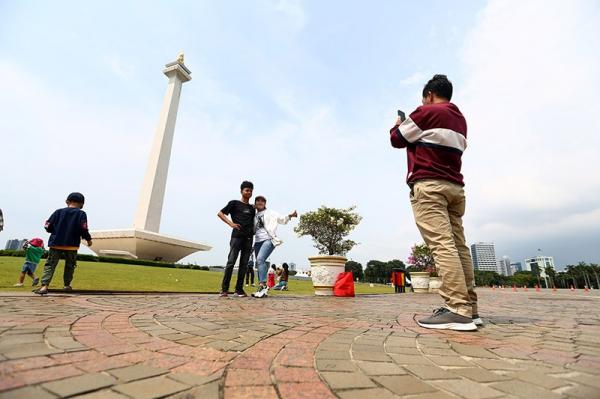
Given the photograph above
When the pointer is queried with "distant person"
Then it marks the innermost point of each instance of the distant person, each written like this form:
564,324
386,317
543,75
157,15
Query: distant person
284,275
34,250
266,240
242,225
250,272
67,226
271,276
435,136
1,220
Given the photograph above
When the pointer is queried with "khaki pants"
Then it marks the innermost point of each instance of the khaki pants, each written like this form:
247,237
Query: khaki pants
439,206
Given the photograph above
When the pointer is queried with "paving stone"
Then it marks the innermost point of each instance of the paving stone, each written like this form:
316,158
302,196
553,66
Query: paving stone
136,372
538,378
36,349
79,385
103,394
524,390
429,372
194,379
583,392
248,392
410,359
337,355
347,380
208,391
381,368
473,351
335,365
479,375
468,389
26,393
372,356
404,384
449,361
496,364
378,393
585,379
151,388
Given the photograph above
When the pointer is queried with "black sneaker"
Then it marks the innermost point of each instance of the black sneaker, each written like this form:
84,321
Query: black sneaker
240,294
443,319
224,294
477,320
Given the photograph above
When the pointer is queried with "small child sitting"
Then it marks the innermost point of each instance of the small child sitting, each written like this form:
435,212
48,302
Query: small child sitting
34,249
283,278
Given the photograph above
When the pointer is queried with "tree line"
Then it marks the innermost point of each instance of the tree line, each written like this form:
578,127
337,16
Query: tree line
579,276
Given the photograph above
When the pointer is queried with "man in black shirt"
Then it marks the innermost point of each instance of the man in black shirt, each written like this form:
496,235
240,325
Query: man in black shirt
242,222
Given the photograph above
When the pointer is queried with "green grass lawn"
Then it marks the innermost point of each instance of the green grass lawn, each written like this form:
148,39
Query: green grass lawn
122,277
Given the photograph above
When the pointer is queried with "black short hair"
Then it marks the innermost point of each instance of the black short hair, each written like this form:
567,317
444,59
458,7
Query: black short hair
260,198
76,197
246,184
285,266
440,86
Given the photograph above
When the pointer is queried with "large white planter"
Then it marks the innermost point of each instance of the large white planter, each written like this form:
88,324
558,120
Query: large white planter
434,284
324,270
420,281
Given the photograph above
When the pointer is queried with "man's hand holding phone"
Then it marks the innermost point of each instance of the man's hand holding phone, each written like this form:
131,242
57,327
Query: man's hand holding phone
401,118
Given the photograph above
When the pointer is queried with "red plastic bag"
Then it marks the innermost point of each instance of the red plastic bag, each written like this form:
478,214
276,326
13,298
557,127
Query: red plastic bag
344,285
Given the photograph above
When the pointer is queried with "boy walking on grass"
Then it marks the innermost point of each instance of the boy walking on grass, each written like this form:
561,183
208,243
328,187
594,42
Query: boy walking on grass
67,226
34,249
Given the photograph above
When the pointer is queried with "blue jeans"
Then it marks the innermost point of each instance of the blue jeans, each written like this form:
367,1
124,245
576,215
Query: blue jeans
280,285
262,251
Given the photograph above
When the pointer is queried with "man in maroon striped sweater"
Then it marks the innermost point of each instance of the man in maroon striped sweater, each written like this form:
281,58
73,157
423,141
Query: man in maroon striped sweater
435,136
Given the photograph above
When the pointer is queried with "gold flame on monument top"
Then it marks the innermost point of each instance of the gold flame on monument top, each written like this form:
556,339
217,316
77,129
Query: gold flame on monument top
180,57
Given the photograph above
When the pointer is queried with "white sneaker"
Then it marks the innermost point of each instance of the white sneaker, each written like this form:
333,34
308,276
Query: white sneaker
18,285
261,293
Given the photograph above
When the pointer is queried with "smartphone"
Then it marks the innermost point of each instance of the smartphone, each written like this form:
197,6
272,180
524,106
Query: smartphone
401,115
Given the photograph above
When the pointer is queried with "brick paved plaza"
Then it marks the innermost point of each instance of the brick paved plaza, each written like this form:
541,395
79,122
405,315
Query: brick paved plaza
534,345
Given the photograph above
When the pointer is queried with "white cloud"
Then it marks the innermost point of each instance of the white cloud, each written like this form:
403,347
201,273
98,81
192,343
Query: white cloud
119,67
530,98
294,11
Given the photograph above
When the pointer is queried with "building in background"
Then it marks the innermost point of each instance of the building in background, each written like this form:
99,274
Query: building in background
484,256
541,262
15,244
504,266
516,267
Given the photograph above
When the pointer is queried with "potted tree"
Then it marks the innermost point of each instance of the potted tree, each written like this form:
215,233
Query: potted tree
421,268
328,228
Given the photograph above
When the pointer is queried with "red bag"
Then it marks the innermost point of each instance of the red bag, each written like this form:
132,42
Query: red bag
344,285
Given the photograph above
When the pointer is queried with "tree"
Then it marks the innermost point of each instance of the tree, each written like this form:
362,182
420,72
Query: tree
421,259
356,269
524,278
551,273
328,227
381,272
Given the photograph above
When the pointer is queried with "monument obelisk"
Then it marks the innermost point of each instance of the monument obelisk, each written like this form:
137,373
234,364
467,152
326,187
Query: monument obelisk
153,189
144,240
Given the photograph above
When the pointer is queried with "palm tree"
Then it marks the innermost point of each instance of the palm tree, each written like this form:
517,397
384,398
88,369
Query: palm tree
551,273
595,269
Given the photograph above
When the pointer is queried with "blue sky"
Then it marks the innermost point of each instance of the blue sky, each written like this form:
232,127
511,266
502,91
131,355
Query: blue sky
298,97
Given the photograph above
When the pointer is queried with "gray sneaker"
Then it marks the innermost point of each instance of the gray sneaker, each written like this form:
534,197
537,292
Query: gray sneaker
443,319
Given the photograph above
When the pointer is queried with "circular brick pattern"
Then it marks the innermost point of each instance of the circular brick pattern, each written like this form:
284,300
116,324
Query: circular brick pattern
187,346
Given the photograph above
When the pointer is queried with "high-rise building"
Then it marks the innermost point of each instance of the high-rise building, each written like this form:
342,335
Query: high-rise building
484,256
15,244
504,266
516,267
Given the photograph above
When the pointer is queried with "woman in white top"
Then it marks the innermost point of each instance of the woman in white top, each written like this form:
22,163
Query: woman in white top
265,239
